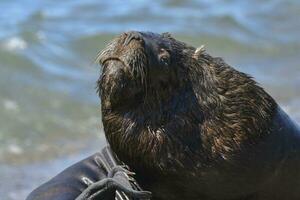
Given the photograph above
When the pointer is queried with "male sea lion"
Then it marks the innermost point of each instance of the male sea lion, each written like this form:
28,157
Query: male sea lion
191,126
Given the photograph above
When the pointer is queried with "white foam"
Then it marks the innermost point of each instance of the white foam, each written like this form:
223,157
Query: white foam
15,149
10,105
15,43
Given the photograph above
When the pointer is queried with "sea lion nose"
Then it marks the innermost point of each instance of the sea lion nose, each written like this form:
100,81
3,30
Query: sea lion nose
133,35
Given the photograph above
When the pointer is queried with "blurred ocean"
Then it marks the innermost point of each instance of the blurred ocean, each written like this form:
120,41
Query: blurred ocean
49,109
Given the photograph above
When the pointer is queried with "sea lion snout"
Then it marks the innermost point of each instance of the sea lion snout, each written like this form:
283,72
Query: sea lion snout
154,45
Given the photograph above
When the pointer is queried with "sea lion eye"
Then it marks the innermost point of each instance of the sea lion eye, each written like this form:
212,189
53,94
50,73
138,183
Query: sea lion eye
166,35
164,57
165,61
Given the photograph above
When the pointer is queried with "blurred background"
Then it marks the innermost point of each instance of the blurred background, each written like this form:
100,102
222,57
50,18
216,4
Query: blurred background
49,110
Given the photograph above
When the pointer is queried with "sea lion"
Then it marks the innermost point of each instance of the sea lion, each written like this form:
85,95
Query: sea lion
193,127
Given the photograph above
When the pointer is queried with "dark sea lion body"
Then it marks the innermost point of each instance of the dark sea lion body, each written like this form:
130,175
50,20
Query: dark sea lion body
69,184
193,127
99,176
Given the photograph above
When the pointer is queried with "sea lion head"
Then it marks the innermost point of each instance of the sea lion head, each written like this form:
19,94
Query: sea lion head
167,105
137,65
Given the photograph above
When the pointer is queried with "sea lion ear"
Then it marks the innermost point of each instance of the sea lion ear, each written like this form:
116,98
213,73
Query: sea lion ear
166,35
198,52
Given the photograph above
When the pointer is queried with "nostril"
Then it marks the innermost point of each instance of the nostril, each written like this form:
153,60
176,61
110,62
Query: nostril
133,35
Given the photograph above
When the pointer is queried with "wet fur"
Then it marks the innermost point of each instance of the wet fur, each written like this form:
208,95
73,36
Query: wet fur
192,131
221,108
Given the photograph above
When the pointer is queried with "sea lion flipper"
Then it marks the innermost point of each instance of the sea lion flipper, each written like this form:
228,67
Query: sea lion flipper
106,188
118,169
118,182
100,176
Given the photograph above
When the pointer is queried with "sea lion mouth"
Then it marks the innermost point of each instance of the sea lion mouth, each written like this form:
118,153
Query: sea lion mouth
109,59
114,58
